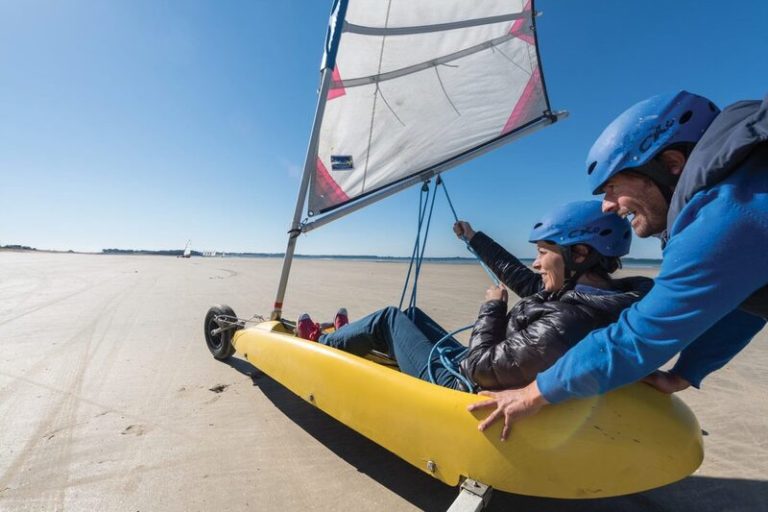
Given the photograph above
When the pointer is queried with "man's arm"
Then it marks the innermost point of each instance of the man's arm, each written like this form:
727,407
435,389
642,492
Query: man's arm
716,347
710,352
709,268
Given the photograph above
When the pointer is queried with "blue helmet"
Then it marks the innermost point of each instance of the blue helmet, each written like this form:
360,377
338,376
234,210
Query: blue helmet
634,138
583,222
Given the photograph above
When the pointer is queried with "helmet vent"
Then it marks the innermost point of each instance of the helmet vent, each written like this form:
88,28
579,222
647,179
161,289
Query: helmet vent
712,107
606,232
538,225
687,115
627,234
591,167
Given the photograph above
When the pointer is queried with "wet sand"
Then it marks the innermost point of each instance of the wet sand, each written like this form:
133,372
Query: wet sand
109,399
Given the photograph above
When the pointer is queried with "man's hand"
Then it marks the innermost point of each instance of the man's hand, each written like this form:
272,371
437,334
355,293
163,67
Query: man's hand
496,293
511,404
463,230
666,382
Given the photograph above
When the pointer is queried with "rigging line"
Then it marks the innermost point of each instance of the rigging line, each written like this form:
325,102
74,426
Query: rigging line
441,181
422,211
416,244
375,97
442,86
437,27
409,70
533,62
420,257
384,99
423,249
521,68
496,281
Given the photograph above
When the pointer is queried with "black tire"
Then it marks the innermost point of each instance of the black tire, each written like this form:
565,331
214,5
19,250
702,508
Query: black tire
220,344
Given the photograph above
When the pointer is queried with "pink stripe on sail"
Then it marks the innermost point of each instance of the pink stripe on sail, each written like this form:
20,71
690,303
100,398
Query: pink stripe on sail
522,111
528,38
326,187
520,30
337,89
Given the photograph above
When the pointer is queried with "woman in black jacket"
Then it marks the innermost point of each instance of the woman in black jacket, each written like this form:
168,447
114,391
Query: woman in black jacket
570,294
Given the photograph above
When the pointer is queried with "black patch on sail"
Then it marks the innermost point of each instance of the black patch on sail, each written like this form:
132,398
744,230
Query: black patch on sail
342,163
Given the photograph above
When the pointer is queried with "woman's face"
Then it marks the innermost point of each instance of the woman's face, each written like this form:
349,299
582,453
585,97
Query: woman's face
550,264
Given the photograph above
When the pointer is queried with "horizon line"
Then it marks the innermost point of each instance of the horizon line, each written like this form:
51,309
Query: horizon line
214,254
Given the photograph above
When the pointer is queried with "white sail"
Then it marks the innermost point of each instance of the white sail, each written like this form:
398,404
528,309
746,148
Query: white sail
417,83
409,89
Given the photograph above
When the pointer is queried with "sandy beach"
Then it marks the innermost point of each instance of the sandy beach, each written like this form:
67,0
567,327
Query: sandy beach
110,400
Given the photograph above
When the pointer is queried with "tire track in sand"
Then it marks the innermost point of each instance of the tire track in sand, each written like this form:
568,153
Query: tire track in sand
56,300
62,415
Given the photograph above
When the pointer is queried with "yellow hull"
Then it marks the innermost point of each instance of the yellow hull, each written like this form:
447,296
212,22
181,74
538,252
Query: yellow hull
626,441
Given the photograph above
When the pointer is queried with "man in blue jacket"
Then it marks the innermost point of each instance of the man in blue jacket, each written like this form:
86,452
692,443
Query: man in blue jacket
698,179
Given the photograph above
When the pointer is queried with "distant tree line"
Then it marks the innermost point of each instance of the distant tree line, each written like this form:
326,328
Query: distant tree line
18,247
167,252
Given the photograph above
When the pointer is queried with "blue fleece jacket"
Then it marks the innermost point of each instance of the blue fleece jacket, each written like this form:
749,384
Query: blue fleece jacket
715,258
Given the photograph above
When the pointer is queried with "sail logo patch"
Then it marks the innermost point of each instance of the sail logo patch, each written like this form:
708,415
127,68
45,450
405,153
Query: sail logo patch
342,163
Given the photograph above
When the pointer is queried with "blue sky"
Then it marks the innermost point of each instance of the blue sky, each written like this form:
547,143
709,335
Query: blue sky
144,123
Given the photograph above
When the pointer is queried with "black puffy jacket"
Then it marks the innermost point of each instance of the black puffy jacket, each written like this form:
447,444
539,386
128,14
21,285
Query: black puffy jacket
508,350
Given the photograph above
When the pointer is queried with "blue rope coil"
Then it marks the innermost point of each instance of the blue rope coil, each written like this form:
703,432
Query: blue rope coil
449,358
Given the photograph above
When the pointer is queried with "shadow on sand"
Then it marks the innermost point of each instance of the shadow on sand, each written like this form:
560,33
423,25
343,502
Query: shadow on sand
694,494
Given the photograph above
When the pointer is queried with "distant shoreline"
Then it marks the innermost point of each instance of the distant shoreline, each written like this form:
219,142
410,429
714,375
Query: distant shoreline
456,260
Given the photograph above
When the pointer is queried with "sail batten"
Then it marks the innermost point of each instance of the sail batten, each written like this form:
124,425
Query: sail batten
424,29
415,85
433,63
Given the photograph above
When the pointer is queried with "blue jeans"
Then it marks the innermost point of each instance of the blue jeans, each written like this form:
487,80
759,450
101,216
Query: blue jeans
408,341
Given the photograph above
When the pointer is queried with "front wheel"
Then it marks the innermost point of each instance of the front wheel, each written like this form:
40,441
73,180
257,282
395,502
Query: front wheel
220,344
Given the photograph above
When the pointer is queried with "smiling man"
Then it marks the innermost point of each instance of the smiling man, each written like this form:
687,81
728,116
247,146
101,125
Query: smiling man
697,178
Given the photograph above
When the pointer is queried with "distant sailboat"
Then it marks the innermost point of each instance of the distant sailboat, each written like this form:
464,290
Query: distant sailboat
187,250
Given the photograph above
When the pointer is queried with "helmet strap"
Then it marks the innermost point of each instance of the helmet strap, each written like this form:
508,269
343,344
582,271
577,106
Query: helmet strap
658,173
574,271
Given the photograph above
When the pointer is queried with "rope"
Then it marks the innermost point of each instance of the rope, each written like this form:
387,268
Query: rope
449,358
493,277
420,245
423,197
420,259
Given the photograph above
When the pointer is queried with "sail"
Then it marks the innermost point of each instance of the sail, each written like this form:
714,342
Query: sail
417,84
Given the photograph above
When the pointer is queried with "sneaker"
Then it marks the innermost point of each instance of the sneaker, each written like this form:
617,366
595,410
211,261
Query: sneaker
306,328
341,318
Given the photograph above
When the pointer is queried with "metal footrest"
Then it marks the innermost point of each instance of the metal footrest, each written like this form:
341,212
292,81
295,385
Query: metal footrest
474,497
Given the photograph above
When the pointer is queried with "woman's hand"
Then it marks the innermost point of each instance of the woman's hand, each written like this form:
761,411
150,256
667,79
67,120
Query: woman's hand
463,230
496,293
510,404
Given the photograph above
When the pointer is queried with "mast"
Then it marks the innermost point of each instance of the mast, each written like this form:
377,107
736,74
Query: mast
335,25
